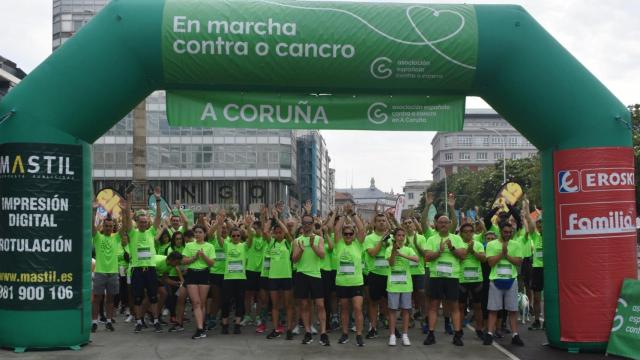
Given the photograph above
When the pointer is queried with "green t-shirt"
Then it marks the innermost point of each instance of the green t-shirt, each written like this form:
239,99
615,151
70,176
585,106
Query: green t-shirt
479,238
417,268
279,253
334,257
471,267
235,265
162,248
399,279
538,253
171,230
172,270
162,267
504,269
309,263
123,265
254,254
107,249
429,232
221,260
192,248
142,247
376,264
349,271
521,235
446,265
328,257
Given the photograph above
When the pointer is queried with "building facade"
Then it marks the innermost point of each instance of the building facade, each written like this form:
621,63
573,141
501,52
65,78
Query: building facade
315,178
231,168
365,199
485,139
10,76
412,192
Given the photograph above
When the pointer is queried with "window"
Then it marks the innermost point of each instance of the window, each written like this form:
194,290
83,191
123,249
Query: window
481,156
496,140
497,156
448,156
516,156
513,140
410,196
464,140
464,156
448,140
481,140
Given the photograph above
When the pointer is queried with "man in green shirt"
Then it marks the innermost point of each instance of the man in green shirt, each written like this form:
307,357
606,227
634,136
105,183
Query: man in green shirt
106,278
375,245
308,252
534,233
143,268
504,255
471,287
444,252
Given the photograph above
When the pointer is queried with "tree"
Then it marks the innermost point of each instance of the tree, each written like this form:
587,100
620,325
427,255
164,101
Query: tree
635,130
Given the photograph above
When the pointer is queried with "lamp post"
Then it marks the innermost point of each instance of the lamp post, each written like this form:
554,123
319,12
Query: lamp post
504,154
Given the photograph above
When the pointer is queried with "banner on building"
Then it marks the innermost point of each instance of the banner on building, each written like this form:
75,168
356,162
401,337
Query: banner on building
40,232
313,111
625,332
595,237
319,45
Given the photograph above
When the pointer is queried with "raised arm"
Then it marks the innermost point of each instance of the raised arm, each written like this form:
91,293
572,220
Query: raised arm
424,216
451,204
158,218
531,225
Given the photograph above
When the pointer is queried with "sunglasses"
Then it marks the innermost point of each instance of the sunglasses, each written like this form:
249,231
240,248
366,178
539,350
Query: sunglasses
307,222
235,236
347,234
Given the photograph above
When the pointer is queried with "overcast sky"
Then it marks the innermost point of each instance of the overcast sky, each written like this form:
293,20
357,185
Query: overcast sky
603,35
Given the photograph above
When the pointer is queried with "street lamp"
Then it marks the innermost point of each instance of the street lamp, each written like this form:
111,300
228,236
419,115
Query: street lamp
504,154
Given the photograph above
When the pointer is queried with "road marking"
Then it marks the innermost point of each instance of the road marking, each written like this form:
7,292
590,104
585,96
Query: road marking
498,346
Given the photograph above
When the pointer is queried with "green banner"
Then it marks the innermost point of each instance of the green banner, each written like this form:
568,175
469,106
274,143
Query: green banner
625,333
319,45
304,111
164,206
41,247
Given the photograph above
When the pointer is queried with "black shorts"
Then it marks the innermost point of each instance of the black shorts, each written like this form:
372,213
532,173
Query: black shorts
537,279
264,283
328,281
418,282
525,272
216,280
377,286
144,279
253,281
280,284
348,292
197,277
471,291
306,287
443,288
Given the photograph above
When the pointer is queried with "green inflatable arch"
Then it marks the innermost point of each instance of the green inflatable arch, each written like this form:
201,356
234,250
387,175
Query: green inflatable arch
131,48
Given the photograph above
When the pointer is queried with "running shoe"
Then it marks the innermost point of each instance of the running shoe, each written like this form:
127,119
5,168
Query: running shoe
296,330
392,340
488,339
273,334
430,339
176,328
261,328
200,334
405,340
372,334
313,330
94,327
359,341
247,320
480,334
289,335
515,340
157,327
280,329
324,340
308,339
457,339
109,326
129,318
211,324
138,328
343,339
536,325
335,324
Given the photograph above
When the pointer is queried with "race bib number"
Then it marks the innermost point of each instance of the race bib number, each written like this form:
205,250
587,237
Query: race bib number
220,255
144,253
122,270
539,254
398,277
266,264
413,263
444,268
236,266
381,263
347,268
471,274
504,270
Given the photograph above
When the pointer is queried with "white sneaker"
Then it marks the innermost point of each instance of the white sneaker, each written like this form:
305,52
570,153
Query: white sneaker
313,330
296,330
129,318
392,340
405,340
165,312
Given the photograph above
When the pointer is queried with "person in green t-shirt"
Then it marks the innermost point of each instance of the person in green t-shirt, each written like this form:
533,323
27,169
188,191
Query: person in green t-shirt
277,265
534,234
253,293
106,278
308,252
163,240
504,256
216,272
399,284
164,264
178,294
375,245
178,221
471,280
233,284
199,255
349,277
418,243
444,252
142,249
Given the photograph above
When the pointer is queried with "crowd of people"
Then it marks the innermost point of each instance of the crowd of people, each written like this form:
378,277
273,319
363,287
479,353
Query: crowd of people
293,273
